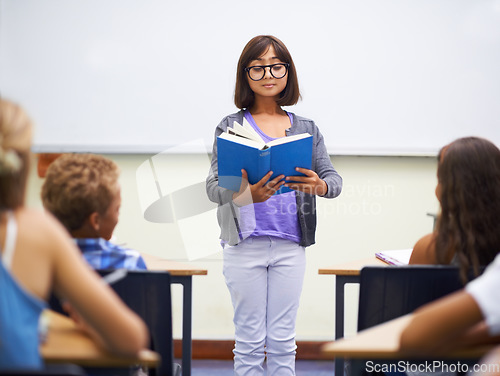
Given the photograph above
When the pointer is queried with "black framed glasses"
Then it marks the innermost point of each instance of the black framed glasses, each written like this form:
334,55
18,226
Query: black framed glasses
257,72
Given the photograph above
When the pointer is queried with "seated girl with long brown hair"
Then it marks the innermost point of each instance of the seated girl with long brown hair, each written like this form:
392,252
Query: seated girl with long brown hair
467,232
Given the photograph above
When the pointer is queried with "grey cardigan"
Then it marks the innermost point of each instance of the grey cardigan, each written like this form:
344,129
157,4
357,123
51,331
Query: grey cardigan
228,213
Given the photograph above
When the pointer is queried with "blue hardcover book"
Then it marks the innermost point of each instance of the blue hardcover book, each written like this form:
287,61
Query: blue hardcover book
238,150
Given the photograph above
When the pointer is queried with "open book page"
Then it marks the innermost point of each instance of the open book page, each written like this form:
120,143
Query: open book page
243,140
238,130
283,140
248,127
245,132
395,257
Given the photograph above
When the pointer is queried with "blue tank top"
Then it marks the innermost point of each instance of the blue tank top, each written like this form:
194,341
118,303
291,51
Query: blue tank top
19,313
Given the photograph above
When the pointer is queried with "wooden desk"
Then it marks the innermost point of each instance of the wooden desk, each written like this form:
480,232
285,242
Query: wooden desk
345,273
382,342
352,268
67,344
368,344
180,273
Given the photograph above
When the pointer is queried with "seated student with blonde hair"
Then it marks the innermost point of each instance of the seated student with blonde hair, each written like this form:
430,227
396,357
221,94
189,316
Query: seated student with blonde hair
83,192
467,230
37,257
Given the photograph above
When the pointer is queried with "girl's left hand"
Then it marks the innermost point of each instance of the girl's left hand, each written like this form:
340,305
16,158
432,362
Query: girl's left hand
311,183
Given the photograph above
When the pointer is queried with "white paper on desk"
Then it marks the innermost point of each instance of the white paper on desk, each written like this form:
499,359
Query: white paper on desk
171,193
395,257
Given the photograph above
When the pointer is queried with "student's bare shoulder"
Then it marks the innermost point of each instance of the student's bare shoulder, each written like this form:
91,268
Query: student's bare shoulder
424,251
33,215
426,240
40,225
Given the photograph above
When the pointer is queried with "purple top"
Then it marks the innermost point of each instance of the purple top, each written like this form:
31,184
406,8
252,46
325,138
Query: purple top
275,217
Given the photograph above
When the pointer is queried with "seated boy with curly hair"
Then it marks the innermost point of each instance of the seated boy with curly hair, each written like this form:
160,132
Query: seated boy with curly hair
83,192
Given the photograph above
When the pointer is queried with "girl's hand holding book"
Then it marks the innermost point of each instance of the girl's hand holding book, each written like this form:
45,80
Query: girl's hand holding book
311,183
258,192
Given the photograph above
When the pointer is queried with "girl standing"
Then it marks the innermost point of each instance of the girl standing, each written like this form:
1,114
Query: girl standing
264,235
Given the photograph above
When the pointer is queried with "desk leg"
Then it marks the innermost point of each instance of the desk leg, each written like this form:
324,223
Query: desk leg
187,285
340,282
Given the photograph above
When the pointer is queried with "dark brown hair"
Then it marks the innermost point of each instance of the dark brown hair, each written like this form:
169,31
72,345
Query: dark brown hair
15,153
256,47
469,223
77,185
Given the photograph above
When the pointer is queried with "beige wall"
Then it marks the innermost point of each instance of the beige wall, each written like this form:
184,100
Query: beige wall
384,205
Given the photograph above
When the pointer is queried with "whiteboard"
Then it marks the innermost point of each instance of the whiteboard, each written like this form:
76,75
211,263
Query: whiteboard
379,77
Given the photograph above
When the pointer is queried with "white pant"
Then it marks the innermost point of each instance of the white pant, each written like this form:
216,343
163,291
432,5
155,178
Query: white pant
265,276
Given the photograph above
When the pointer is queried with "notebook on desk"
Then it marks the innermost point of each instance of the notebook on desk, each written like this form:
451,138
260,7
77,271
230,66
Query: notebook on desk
395,257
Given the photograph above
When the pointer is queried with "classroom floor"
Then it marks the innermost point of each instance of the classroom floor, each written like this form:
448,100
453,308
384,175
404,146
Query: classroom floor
202,367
